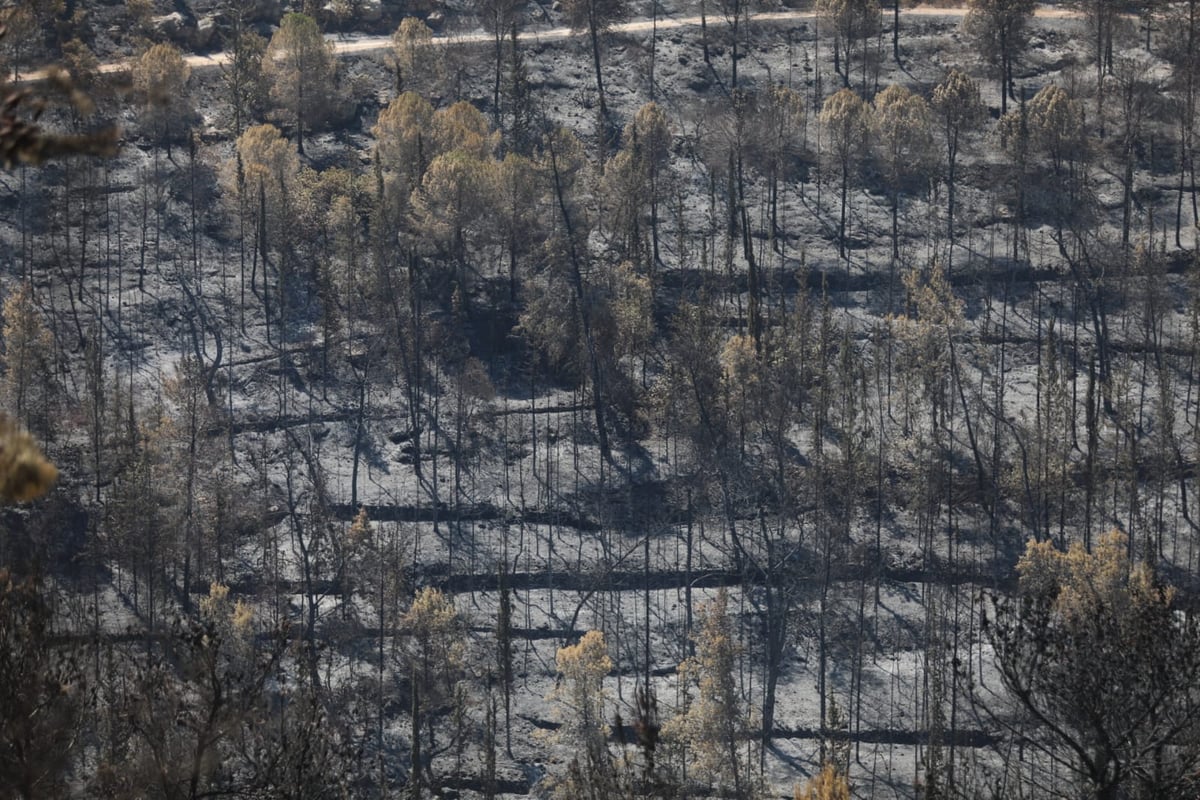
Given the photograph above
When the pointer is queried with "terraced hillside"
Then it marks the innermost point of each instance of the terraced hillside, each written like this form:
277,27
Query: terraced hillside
382,371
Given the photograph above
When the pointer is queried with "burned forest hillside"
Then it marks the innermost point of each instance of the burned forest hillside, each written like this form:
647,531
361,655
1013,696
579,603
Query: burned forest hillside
599,399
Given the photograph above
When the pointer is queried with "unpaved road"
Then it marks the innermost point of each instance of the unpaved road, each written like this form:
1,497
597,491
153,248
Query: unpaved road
372,44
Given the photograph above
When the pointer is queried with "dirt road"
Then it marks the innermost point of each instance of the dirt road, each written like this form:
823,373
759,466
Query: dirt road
368,44
373,44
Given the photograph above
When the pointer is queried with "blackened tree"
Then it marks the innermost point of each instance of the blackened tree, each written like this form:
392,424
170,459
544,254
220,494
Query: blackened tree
999,31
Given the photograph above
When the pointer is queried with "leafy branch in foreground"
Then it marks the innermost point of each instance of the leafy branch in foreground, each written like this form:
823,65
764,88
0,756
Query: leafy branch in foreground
25,474
23,141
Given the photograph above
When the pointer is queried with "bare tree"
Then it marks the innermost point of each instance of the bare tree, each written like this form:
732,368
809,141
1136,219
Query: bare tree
853,22
596,17
999,30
